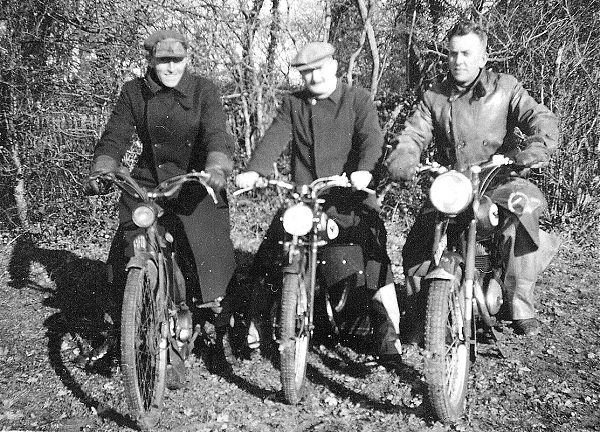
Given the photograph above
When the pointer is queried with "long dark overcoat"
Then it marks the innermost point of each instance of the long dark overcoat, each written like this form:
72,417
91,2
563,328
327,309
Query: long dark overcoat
178,128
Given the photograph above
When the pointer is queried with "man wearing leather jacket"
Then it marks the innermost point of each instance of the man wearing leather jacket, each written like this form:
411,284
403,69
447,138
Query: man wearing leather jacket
180,122
470,116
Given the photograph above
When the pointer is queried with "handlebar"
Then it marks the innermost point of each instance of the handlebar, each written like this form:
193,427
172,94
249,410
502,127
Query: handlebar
495,162
122,179
314,189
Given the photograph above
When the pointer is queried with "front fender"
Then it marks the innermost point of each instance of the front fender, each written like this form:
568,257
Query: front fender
139,260
448,268
295,262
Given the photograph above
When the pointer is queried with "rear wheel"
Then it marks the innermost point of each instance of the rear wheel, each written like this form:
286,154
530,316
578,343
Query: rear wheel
144,331
447,361
294,336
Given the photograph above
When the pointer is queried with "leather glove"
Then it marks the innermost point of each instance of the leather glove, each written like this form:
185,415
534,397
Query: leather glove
403,160
216,178
102,165
218,166
534,154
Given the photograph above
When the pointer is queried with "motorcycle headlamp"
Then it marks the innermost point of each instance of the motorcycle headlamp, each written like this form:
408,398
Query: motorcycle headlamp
451,192
143,216
298,220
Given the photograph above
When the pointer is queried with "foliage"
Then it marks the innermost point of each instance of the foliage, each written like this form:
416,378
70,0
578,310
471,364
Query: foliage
63,63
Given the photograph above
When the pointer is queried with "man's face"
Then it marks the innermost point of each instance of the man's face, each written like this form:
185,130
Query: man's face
169,70
466,57
321,81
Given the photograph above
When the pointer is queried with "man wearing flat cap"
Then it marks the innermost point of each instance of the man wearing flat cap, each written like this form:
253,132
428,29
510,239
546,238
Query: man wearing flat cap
333,129
179,119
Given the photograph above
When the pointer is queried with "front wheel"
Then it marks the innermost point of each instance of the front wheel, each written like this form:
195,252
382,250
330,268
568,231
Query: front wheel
294,336
447,358
144,332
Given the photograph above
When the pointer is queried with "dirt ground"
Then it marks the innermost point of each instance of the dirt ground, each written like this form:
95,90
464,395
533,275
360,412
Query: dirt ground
51,301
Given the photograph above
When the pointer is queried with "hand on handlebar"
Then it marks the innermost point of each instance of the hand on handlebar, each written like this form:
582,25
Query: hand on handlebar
402,163
361,179
247,179
215,178
534,156
102,166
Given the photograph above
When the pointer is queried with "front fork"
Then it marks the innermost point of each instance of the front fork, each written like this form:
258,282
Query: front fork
446,261
306,267
171,282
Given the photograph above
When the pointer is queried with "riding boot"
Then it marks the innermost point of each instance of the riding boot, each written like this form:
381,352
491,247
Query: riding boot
385,316
412,326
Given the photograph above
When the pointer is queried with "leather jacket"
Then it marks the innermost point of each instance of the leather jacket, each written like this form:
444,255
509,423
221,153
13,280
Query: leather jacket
469,127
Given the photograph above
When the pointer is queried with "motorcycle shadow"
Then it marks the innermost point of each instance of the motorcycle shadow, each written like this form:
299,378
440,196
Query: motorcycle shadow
349,376
75,287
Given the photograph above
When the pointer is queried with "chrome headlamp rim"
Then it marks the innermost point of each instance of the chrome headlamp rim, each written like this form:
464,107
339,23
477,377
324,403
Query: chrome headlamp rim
451,192
298,219
144,215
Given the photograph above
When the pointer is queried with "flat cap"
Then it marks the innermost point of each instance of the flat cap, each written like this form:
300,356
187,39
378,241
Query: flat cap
166,43
312,55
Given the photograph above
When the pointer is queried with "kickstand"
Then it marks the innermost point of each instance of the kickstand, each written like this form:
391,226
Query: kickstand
503,350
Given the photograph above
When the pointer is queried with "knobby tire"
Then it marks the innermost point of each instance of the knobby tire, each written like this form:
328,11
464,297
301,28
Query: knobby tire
294,337
447,358
144,327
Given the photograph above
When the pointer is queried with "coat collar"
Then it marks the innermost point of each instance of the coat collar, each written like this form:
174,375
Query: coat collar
183,90
477,89
335,97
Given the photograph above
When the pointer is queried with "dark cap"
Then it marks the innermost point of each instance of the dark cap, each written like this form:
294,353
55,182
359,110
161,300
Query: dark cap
166,43
312,55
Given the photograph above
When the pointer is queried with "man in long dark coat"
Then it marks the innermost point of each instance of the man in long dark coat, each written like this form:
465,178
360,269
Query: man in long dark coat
180,121
333,129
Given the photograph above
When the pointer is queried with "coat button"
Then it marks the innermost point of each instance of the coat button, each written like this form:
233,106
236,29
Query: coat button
161,166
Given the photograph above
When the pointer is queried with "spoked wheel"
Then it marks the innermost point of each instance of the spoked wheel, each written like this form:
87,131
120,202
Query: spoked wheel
294,336
447,363
144,331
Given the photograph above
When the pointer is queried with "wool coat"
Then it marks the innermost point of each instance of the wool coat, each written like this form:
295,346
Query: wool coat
180,129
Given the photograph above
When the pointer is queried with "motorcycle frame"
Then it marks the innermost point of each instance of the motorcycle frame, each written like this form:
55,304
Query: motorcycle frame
446,260
303,251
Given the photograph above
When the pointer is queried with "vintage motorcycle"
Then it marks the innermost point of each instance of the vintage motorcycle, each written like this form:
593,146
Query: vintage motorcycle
156,322
308,232
464,288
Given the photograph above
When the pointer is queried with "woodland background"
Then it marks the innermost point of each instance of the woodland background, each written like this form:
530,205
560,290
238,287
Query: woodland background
62,63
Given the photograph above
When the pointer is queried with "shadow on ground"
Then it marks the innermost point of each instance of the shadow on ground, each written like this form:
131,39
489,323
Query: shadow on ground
77,289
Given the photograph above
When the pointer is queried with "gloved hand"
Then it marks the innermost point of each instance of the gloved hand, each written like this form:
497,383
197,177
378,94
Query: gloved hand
246,179
403,160
216,179
102,165
361,179
534,154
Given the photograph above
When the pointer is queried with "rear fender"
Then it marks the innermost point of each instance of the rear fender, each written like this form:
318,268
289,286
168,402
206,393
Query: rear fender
448,268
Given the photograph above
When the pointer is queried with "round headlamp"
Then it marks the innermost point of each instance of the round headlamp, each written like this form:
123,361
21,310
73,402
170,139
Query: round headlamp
451,192
297,220
143,216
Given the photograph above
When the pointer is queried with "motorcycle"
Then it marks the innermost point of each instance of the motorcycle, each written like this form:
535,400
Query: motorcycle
308,258
464,289
156,322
